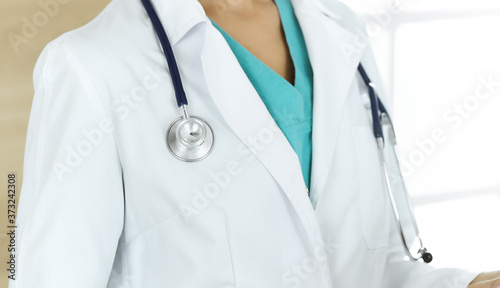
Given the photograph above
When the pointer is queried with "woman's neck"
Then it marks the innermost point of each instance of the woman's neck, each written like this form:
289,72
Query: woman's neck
233,5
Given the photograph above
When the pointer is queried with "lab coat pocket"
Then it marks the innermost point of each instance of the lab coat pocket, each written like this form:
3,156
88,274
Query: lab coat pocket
373,197
180,252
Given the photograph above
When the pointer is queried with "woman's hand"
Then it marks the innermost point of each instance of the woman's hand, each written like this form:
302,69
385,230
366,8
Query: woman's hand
486,280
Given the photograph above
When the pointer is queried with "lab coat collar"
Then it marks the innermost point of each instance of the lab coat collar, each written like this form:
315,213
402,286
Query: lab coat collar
179,16
246,115
335,50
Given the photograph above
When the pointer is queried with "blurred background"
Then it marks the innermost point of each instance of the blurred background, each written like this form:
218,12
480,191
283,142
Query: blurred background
440,60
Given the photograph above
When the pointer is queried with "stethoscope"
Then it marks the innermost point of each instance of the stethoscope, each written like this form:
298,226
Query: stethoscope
190,138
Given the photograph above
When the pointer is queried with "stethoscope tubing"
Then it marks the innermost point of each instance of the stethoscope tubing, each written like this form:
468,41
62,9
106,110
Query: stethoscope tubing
180,94
377,125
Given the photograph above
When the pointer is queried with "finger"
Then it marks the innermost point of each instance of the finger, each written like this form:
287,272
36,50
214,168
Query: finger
486,276
494,283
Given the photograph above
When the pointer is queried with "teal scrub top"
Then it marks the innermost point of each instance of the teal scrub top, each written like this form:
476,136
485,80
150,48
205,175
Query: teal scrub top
289,105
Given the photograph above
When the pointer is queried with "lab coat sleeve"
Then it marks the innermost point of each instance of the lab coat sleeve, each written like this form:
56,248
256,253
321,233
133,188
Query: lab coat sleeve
70,213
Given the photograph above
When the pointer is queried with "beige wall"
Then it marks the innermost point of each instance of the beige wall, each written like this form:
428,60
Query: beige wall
17,60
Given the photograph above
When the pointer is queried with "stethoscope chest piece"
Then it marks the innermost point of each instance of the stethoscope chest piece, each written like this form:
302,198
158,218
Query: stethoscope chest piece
190,139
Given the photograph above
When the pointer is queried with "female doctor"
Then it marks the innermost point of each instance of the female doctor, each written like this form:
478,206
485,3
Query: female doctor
289,195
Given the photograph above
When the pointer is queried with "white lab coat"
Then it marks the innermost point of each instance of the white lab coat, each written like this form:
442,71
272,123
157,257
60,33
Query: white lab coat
106,206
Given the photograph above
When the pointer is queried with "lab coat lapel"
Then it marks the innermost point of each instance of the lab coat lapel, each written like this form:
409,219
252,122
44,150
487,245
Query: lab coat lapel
334,53
247,116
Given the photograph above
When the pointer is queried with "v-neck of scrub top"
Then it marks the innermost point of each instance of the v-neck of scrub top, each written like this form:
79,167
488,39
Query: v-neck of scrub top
289,105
